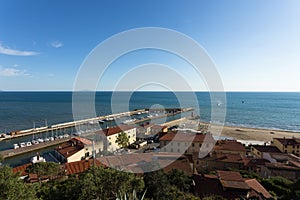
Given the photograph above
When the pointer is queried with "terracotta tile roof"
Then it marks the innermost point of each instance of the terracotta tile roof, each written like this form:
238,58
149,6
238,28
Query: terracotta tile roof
229,145
269,149
288,141
115,130
158,127
294,163
84,141
255,185
225,157
235,184
70,147
229,175
80,166
252,162
21,169
187,137
282,166
182,164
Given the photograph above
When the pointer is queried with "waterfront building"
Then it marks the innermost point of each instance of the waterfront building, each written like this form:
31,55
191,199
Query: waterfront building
288,145
186,142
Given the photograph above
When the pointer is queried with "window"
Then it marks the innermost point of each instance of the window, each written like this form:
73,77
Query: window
178,143
129,136
171,143
285,146
199,145
193,144
285,151
171,149
178,150
109,143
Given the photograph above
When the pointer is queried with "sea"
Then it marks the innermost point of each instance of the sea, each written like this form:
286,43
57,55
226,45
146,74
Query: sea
268,110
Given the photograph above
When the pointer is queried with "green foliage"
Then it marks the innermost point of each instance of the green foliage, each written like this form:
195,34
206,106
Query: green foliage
174,185
180,180
214,197
45,169
278,185
99,183
12,187
122,140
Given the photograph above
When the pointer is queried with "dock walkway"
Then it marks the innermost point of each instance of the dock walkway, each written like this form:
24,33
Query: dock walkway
14,152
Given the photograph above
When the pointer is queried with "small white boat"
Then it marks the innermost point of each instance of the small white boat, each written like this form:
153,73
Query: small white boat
28,144
46,139
61,137
101,121
51,138
34,142
66,135
40,140
22,144
16,146
37,159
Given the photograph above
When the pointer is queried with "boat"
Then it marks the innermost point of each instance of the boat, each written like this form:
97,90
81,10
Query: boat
37,159
40,140
34,142
16,146
28,144
51,138
46,139
22,144
101,121
128,121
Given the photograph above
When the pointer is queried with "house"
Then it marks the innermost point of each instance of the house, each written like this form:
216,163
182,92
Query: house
73,150
254,164
156,129
288,145
220,161
290,170
112,135
230,185
81,166
186,142
259,151
230,147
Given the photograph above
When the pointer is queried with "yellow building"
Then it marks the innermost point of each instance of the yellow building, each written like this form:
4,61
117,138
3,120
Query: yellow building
189,143
73,150
288,145
113,132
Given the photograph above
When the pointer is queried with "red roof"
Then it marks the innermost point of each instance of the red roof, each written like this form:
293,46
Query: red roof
80,166
70,147
21,169
187,137
255,185
229,175
115,130
84,141
229,145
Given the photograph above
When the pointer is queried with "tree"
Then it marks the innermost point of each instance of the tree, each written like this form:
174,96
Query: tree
100,183
122,140
45,170
12,187
180,180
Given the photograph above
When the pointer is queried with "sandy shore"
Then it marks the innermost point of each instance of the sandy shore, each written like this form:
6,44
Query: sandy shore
242,133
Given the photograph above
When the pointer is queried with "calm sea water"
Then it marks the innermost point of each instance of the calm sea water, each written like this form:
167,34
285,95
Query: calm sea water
18,110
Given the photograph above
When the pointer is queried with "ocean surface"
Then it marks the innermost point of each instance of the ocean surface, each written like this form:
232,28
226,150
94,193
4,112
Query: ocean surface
19,110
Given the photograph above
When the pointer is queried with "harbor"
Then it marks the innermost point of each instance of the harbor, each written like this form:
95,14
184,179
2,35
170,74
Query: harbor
29,142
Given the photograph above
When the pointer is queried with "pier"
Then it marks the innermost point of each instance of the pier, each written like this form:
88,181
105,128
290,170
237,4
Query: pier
14,152
56,127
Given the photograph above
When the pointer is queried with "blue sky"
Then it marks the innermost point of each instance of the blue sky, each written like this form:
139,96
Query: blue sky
254,44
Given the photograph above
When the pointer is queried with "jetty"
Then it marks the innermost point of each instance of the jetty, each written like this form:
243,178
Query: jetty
14,152
57,127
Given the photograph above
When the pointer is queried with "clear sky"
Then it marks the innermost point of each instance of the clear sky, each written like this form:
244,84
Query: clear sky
254,44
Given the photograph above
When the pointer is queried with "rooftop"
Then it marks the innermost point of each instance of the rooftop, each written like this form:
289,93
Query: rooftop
187,137
269,149
80,166
255,185
115,130
70,147
229,145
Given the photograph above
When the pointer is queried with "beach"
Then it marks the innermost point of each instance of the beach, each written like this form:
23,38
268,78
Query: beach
243,133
